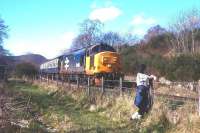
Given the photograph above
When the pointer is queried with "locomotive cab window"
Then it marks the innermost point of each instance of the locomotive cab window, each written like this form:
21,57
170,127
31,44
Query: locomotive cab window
82,61
99,48
107,48
95,49
88,52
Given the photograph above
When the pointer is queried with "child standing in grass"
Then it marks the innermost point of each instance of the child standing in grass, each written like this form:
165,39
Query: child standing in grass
142,100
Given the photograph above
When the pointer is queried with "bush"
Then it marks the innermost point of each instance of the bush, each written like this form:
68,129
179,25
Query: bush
131,60
178,68
26,69
158,64
184,68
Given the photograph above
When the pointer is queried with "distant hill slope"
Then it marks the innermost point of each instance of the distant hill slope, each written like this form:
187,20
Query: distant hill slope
32,58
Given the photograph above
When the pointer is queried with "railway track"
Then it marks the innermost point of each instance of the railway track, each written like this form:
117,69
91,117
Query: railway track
176,97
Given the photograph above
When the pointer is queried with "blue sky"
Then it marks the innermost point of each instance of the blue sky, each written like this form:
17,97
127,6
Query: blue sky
48,26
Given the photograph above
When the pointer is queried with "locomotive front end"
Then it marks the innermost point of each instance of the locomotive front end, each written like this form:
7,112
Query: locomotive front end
103,60
108,62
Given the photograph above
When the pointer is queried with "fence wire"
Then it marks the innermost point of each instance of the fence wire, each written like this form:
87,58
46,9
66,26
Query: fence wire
119,87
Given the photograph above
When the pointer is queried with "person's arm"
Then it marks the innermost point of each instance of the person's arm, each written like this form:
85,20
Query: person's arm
152,77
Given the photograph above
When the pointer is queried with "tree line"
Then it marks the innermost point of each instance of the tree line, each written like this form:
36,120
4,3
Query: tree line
182,34
168,51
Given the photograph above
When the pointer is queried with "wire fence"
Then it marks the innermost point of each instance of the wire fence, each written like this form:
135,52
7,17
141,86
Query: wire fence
3,72
121,87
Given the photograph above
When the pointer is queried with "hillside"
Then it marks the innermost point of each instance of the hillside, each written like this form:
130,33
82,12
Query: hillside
155,50
32,58
161,59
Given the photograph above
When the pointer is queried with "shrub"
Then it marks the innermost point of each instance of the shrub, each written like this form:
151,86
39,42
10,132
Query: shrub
159,64
131,60
184,68
179,68
26,69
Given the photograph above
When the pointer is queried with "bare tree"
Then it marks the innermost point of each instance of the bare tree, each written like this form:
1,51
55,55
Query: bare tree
113,39
3,35
90,33
185,29
130,39
116,40
154,31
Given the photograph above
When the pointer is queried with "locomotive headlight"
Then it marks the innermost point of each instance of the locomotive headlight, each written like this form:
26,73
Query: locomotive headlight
105,59
109,65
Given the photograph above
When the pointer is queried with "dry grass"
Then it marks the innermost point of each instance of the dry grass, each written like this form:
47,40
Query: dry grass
177,91
165,116
68,109
118,109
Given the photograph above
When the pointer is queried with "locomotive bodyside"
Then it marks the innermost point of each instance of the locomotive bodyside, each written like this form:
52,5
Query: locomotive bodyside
73,63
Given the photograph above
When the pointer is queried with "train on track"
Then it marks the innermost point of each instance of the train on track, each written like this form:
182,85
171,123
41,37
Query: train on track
96,61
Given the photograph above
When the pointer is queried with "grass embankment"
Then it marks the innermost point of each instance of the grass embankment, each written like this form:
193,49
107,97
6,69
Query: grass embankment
71,111
59,110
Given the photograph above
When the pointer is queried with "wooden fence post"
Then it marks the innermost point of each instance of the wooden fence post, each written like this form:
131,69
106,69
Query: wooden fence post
120,86
77,82
199,97
40,78
52,77
56,79
88,86
69,83
47,79
62,80
102,85
151,93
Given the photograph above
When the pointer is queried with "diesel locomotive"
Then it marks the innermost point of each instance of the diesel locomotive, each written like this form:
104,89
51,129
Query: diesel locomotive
94,61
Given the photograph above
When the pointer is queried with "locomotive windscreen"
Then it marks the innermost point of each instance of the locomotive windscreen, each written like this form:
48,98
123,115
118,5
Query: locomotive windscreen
101,48
107,48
